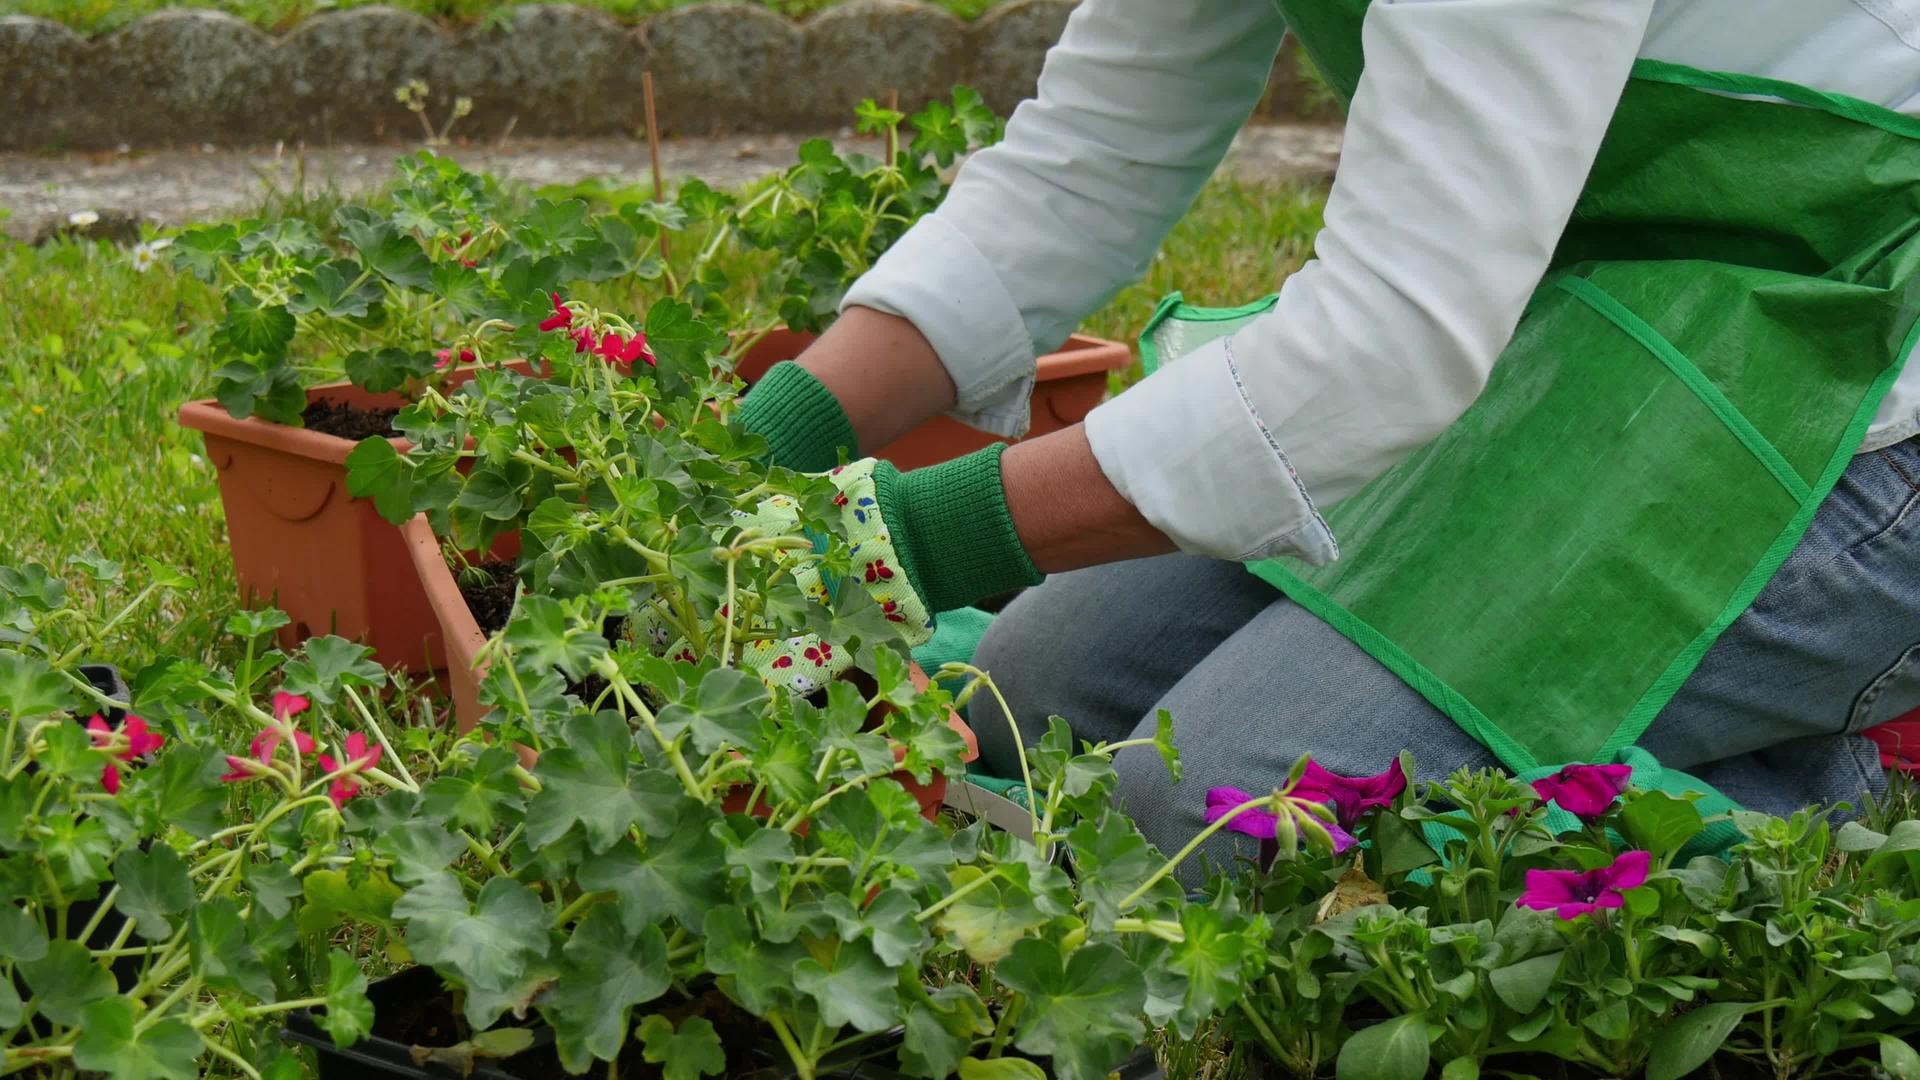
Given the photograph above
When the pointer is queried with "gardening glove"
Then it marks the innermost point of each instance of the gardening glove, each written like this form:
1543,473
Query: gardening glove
802,421
925,541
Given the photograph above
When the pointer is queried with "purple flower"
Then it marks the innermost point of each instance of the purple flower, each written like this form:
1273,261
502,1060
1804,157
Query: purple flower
1573,893
1351,796
1585,791
1263,824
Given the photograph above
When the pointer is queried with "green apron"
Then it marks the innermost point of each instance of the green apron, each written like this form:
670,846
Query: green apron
1739,286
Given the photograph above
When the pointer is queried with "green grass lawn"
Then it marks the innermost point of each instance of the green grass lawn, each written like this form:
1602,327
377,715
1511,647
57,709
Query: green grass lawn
96,357
100,16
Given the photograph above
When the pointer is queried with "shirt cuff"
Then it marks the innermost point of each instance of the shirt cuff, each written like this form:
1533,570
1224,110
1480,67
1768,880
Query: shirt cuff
935,278
1186,447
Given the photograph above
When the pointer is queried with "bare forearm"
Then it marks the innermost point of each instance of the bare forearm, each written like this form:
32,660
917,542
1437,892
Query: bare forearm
1067,513
885,375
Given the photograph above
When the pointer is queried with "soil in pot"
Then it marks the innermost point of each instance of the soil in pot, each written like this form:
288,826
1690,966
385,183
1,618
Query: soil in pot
346,421
489,592
413,1009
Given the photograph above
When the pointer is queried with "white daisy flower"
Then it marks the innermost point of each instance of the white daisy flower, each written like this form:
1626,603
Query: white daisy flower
82,218
146,256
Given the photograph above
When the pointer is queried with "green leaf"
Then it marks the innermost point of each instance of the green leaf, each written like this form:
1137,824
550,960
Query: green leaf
381,371
1522,986
1661,823
1902,839
253,327
1396,1049
1112,859
1083,1013
333,895
66,980
255,623
335,289
1217,959
30,689
388,253
77,848
22,936
34,587
725,712
223,957
1461,1068
761,851
687,1054
940,1030
590,779
488,944
476,798
185,790
349,1015
1163,742
1899,1059
544,635
988,921
1403,849
199,251
898,937
97,566
461,287
1854,836
683,875
857,989
605,972
419,849
1000,1069
676,336
1685,1044
166,1051
759,974
153,885
12,1009
328,664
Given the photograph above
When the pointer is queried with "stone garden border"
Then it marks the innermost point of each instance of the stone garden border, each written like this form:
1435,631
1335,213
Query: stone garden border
188,76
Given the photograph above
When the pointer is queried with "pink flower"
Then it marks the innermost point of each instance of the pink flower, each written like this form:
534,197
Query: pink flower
446,357
1573,893
359,756
616,349
1585,791
1351,796
287,705
267,741
1261,824
561,317
140,741
583,339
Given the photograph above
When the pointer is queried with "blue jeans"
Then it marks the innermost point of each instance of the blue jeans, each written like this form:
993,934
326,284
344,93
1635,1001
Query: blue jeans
1771,717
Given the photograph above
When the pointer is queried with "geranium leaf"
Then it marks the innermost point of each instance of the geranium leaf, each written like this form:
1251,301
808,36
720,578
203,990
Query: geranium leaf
23,937
1163,742
759,973
166,1051
1685,1044
223,957
999,1069
375,470
762,852
544,634
590,779
488,944
725,712
30,689
199,251
605,972
183,790
988,921
855,988
153,885
335,289
1216,957
687,1054
77,849
1112,859
940,1030
475,797
332,895
388,369
65,980
327,664
251,326
1083,1013
682,875
349,1015
419,849
897,936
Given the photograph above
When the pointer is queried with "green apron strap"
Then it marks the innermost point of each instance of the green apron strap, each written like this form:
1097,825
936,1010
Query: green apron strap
1177,327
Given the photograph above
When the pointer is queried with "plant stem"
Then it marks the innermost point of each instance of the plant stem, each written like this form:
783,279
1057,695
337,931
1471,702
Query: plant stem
380,734
802,1065
954,897
1019,743
1204,834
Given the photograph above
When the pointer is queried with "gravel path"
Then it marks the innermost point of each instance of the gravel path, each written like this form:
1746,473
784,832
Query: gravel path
177,186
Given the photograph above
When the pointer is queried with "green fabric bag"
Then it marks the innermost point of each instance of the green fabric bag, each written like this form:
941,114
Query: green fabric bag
1737,290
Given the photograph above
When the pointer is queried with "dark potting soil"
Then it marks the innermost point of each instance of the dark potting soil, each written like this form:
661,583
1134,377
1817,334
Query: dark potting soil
349,421
491,601
429,1019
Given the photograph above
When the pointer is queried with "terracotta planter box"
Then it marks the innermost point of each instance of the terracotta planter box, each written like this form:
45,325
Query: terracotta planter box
464,640
335,566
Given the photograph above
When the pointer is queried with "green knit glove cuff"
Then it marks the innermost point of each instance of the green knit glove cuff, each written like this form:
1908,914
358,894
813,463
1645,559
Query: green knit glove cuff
951,530
800,419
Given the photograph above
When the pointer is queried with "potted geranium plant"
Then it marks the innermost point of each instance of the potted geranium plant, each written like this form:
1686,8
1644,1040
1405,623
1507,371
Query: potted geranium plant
619,912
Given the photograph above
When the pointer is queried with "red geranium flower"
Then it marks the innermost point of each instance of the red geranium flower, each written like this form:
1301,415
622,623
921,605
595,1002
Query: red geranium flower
583,340
140,741
561,317
622,350
446,357
360,756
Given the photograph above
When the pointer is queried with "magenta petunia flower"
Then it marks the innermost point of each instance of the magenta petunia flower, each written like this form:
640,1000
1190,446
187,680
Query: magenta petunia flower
1261,824
1585,791
1351,796
1573,893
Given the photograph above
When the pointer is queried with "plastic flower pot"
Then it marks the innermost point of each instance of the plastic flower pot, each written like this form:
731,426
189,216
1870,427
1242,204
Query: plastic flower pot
301,544
414,1008
464,640
1067,385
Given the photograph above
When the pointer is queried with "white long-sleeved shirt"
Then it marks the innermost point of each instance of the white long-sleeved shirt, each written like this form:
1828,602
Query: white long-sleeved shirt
1467,143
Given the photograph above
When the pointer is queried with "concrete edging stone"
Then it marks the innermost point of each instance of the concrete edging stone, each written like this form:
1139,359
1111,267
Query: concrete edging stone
188,76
